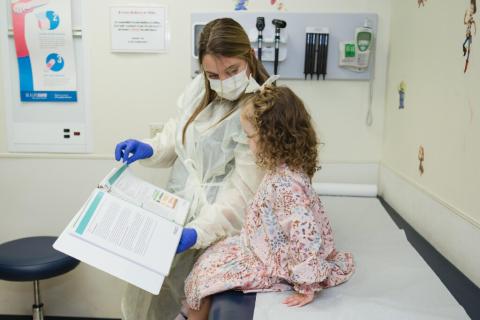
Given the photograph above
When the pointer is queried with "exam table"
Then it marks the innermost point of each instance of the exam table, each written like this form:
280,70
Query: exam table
391,281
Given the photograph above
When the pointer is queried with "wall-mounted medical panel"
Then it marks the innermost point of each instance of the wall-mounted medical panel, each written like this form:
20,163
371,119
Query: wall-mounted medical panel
305,42
45,126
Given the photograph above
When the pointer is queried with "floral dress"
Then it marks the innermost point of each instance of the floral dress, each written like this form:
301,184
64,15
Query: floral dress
286,242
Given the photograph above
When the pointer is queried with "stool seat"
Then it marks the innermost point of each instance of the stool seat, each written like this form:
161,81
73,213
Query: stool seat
33,258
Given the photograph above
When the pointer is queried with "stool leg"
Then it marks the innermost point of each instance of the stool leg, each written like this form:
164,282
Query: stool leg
38,305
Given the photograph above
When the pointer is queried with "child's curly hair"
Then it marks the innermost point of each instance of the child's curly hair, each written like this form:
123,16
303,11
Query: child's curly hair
284,128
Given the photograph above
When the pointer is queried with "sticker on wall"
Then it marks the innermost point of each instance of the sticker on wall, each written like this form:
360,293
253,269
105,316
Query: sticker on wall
402,88
279,4
421,158
421,3
241,5
469,21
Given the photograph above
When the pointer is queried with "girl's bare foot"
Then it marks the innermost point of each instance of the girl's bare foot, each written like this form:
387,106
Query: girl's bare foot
298,299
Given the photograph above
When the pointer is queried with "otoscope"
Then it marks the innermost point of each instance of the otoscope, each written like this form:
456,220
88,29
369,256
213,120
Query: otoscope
260,27
279,24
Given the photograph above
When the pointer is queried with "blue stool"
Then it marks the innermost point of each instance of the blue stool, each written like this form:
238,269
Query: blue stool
33,259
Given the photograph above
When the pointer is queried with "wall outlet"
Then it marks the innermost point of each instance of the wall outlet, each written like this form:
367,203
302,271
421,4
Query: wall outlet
155,128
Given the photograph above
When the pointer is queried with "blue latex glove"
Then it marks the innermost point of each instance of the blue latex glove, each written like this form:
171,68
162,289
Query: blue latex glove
188,239
137,149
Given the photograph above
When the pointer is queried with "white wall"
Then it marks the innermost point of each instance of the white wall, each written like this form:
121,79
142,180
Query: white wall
442,114
129,91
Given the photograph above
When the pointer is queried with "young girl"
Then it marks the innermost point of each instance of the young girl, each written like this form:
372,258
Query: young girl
286,241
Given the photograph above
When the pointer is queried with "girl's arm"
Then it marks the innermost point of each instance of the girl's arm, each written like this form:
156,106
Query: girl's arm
307,270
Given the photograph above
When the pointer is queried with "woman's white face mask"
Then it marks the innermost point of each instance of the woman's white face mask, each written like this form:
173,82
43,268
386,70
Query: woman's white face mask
230,88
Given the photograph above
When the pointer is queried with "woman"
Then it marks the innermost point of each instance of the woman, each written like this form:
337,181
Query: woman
212,166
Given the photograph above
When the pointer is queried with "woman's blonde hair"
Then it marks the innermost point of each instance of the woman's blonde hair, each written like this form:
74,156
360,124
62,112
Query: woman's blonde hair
225,37
284,128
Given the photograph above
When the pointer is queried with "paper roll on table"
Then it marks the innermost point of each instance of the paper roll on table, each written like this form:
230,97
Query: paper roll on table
346,189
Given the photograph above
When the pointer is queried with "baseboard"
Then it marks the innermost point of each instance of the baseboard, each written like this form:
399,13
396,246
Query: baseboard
448,232
339,172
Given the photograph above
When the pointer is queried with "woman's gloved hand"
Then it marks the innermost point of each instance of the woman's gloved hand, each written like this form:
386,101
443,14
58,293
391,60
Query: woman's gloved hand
188,239
137,149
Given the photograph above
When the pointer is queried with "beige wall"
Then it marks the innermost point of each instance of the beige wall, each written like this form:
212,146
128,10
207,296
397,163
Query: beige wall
442,113
129,91
442,103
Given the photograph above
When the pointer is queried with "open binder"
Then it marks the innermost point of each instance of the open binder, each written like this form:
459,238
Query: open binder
128,228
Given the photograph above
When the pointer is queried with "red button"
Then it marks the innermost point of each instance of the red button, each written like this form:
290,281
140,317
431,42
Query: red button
76,133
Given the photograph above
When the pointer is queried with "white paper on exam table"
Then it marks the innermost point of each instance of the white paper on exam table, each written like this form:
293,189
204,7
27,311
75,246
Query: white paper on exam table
391,280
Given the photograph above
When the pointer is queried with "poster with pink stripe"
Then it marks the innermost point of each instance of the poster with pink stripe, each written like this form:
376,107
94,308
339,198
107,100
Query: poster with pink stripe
42,32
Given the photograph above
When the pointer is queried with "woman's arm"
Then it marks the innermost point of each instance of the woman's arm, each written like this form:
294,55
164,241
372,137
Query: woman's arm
224,217
163,145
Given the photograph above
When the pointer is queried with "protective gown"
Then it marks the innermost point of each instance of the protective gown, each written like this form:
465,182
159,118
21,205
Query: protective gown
215,170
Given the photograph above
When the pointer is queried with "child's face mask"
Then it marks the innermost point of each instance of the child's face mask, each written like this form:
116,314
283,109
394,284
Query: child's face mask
230,88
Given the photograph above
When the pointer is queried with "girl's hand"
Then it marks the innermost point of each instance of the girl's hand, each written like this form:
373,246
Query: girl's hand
299,299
